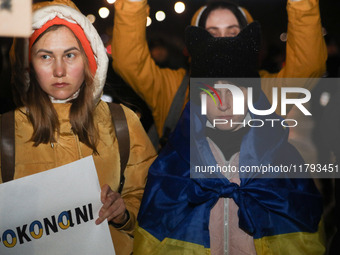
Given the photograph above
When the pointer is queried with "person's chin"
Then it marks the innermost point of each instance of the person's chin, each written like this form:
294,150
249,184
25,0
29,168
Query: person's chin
61,96
225,127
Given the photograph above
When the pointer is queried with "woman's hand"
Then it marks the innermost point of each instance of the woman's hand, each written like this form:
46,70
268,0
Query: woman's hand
113,208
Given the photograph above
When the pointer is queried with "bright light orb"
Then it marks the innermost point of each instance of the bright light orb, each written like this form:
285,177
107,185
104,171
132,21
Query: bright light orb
160,16
179,7
104,12
148,21
111,1
91,18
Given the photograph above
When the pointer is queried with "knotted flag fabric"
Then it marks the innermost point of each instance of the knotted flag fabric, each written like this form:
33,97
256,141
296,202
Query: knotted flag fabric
282,214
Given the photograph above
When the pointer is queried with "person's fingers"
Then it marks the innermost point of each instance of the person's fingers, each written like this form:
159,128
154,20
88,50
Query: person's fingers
107,197
104,192
116,212
113,206
110,198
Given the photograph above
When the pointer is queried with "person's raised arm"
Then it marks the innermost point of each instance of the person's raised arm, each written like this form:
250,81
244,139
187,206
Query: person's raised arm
133,62
306,51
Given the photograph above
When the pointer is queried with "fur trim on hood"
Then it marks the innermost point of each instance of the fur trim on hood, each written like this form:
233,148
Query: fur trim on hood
43,12
195,19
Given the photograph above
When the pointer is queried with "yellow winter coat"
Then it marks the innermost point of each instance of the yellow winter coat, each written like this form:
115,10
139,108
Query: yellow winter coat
306,55
30,160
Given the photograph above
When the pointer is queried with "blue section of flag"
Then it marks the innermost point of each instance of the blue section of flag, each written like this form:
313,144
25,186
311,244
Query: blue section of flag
178,207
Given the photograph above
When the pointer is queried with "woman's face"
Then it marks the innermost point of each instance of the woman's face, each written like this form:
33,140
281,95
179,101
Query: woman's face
224,111
58,63
222,23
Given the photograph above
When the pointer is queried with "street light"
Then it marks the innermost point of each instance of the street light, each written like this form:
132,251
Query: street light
104,12
179,7
91,18
160,16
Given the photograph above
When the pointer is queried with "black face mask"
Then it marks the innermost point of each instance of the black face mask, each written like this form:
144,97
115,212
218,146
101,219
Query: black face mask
227,141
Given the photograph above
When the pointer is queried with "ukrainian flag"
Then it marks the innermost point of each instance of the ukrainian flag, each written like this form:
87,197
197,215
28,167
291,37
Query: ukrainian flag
281,214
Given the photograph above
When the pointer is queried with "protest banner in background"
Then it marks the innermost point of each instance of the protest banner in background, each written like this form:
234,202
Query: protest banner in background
54,213
15,18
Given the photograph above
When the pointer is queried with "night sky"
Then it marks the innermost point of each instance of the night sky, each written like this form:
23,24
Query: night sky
270,13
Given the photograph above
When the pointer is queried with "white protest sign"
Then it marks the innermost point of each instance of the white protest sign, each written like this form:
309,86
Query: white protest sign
15,18
54,213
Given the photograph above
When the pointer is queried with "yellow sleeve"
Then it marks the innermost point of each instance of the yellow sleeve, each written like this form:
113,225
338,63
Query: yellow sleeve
142,154
133,62
306,51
